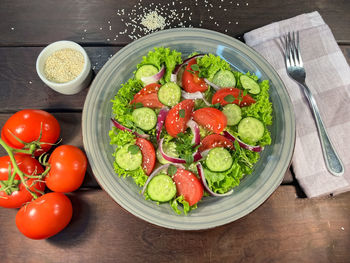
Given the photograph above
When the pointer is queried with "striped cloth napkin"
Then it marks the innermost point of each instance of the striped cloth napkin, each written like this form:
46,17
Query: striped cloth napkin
328,77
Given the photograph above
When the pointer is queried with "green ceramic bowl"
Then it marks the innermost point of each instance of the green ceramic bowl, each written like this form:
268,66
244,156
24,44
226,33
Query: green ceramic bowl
211,212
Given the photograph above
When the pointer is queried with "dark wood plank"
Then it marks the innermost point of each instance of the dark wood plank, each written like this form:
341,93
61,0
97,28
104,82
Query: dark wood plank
283,229
41,22
20,86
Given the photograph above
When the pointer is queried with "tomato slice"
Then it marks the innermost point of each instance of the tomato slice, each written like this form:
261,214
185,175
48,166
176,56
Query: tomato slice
178,116
148,96
215,140
231,95
191,82
148,155
150,100
188,185
210,118
150,88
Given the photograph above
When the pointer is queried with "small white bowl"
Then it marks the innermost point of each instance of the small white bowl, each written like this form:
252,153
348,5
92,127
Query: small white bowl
71,87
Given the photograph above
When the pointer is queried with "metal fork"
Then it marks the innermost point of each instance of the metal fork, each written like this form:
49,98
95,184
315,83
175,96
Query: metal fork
296,71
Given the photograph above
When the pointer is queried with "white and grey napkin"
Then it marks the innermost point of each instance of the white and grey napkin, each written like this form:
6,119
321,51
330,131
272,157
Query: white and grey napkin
328,77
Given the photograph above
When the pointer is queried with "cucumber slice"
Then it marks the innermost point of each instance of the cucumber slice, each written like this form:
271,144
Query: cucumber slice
250,84
170,149
219,159
145,71
233,114
224,78
144,118
161,188
169,94
250,130
128,160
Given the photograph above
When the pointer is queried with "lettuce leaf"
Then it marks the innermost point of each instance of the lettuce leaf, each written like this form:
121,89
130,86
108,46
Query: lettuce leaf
138,175
160,56
175,203
222,182
121,138
262,109
210,64
121,103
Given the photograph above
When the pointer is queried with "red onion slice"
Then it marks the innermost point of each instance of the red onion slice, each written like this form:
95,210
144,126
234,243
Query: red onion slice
201,175
156,171
195,130
200,155
122,128
160,121
242,144
194,95
167,157
216,87
154,78
173,77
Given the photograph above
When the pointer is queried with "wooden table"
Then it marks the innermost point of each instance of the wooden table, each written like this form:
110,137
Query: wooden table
286,228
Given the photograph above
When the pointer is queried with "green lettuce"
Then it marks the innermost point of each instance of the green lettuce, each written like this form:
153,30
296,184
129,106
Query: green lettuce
160,56
121,103
120,138
210,64
178,201
261,110
222,182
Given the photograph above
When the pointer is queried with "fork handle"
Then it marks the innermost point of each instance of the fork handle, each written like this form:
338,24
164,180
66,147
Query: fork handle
333,162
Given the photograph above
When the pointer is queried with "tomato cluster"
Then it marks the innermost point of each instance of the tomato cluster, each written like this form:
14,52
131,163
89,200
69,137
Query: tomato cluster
27,136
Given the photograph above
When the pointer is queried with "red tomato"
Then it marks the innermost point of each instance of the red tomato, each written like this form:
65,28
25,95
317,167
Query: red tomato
220,95
68,166
188,185
45,216
215,140
210,118
178,116
191,82
148,155
148,96
27,165
26,125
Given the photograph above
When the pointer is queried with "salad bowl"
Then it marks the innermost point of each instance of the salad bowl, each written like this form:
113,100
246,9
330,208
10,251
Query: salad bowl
253,190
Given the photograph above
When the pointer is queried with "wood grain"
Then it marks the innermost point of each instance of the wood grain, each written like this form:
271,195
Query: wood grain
36,23
21,87
283,229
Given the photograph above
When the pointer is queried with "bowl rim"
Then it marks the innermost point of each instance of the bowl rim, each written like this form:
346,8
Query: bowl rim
248,50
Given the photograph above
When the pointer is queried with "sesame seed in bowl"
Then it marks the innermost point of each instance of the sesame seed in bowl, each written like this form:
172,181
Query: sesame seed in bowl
65,67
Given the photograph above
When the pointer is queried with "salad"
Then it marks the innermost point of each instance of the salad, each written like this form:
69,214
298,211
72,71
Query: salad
185,128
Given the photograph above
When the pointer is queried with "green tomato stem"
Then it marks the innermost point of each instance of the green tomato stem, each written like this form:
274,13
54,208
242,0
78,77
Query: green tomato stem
16,169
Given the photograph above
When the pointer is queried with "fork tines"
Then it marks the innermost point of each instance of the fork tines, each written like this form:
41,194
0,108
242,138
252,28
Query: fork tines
292,50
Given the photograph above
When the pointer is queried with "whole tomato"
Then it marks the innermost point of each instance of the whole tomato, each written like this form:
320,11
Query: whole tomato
26,125
68,166
44,217
21,196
